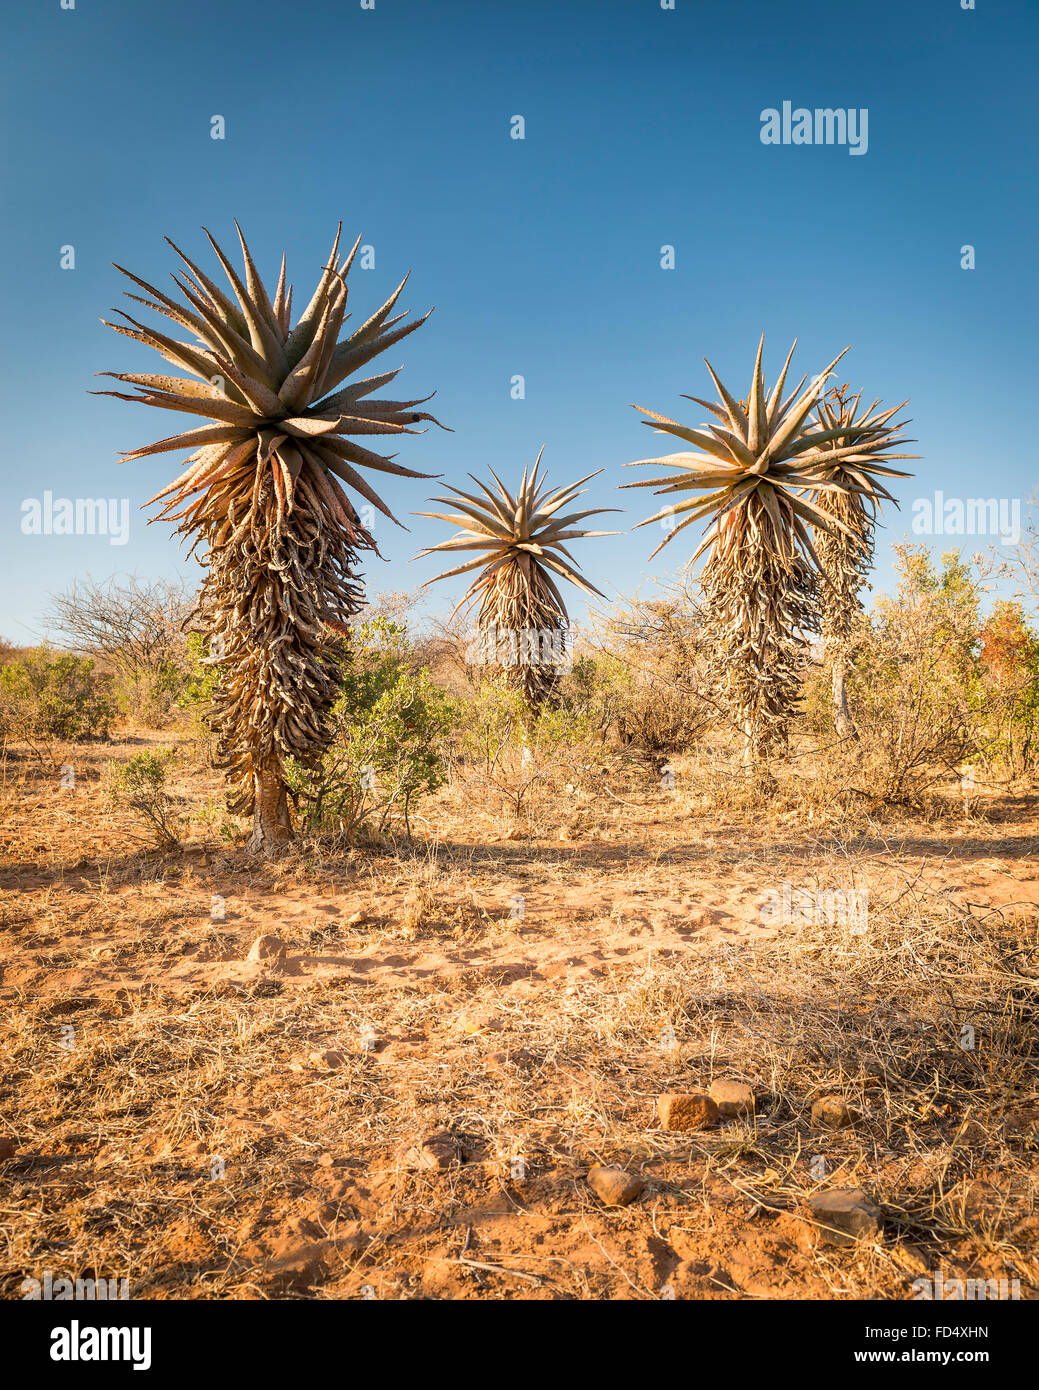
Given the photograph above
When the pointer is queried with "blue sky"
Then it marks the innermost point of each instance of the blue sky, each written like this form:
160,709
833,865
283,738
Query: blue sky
542,256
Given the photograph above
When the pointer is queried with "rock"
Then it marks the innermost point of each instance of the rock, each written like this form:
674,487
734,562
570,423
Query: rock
614,1186
686,1110
355,919
845,1216
833,1112
436,1152
482,1022
734,1099
911,1259
267,948
8,1148
328,1058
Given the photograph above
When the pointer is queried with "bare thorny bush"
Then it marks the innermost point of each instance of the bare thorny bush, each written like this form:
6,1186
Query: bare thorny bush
647,675
134,628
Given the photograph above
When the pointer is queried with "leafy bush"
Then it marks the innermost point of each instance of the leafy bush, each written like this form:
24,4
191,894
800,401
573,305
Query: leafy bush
196,694
44,696
133,628
916,689
528,768
141,785
391,724
149,697
1010,662
653,677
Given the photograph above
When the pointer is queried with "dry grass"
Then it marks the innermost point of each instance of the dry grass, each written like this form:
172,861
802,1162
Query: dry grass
180,1135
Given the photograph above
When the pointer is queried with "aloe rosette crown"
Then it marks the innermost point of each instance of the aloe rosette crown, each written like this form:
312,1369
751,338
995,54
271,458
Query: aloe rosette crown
521,539
263,494
851,464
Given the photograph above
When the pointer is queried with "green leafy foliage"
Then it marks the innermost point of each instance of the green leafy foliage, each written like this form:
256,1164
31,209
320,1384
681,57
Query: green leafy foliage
142,785
391,725
46,696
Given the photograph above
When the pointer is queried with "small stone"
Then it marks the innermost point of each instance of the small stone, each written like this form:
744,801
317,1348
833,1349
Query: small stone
328,1058
910,1258
270,948
833,1112
482,1022
8,1148
734,1099
355,919
845,1216
614,1186
686,1110
437,1151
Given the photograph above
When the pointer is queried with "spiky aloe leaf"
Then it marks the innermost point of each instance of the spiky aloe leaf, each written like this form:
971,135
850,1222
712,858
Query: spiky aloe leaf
747,478
520,540
262,491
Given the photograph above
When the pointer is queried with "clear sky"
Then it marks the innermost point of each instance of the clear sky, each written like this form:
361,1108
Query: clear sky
542,256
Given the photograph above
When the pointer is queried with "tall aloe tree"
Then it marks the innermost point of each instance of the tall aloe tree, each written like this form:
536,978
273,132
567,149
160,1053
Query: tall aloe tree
749,478
520,539
262,496
855,459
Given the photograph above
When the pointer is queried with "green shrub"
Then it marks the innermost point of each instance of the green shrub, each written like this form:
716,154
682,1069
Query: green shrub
198,689
141,785
46,696
196,694
526,767
391,724
148,697
1010,663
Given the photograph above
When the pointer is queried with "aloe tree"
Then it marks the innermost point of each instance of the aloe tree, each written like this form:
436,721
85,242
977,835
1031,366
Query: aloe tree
262,496
520,538
748,477
854,459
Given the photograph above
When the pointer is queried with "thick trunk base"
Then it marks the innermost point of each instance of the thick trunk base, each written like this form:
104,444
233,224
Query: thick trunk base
272,827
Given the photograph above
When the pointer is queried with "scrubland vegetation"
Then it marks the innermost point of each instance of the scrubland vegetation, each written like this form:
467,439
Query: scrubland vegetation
384,1063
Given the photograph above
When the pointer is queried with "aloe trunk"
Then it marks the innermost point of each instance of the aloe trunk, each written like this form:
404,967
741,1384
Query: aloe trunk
263,496
856,459
272,827
520,539
749,475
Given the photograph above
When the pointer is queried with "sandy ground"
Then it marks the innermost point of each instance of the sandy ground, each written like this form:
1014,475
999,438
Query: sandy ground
210,1125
